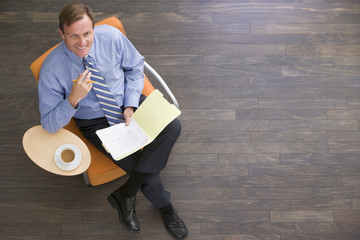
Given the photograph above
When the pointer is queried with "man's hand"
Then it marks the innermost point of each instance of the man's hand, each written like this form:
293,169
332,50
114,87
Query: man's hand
128,112
81,87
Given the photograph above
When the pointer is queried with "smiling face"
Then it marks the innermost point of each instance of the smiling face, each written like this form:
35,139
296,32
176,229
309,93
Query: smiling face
79,36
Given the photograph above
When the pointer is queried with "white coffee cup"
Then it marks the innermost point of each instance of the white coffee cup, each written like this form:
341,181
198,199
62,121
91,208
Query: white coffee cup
67,157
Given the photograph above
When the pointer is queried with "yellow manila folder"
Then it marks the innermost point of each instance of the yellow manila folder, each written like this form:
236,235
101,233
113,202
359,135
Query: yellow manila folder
152,116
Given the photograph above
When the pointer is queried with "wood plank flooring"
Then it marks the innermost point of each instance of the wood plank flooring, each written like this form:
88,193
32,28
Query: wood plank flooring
270,99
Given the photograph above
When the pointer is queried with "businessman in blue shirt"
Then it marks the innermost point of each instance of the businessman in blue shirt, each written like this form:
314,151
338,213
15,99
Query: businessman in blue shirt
121,66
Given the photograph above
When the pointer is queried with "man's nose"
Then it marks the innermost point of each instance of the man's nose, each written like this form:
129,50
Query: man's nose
82,41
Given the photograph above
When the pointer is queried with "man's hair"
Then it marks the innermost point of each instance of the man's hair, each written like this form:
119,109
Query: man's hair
74,12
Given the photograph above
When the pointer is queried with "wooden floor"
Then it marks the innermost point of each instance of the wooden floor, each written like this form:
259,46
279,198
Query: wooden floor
270,98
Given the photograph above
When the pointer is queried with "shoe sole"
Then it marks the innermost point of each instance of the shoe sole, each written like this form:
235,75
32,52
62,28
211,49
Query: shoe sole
111,199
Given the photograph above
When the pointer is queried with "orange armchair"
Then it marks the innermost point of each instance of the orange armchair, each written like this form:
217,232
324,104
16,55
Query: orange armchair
102,169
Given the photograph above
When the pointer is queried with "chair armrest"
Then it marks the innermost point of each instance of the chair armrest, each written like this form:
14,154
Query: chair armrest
163,84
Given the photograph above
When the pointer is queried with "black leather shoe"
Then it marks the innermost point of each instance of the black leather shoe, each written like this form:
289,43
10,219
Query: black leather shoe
126,211
174,225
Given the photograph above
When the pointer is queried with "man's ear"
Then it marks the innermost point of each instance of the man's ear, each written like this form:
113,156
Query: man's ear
61,34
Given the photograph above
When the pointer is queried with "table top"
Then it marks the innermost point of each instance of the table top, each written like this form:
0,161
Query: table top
41,145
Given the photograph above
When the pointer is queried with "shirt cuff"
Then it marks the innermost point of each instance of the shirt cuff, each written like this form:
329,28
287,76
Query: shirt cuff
132,101
67,109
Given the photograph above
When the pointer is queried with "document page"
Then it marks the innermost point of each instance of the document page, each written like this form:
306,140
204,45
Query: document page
120,140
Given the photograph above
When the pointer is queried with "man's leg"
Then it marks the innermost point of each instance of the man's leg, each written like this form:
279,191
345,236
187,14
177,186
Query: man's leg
147,164
124,203
158,152
145,176
153,158
154,191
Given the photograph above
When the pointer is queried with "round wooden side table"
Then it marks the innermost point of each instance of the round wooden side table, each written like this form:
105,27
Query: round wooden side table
40,146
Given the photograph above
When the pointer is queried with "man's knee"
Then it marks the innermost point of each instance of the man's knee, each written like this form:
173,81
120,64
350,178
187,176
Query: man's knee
174,128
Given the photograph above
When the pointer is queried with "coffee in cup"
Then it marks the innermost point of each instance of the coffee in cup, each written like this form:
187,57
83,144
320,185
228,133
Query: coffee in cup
67,155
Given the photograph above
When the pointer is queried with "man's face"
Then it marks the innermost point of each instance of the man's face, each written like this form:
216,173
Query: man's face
79,36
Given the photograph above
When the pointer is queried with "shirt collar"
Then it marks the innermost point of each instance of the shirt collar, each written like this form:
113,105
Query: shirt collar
91,53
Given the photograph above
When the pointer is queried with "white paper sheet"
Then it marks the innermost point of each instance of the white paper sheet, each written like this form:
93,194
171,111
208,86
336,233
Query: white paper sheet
121,140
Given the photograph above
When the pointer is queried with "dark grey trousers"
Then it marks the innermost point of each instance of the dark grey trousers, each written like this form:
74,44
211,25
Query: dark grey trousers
152,159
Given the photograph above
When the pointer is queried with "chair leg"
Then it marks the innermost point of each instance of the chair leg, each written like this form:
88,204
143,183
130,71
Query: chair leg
86,179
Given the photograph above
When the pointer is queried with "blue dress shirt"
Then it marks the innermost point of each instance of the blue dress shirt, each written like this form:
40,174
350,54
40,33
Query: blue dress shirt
116,58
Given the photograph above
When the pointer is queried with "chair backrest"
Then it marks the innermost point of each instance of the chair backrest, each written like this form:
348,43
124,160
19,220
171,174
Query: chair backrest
112,21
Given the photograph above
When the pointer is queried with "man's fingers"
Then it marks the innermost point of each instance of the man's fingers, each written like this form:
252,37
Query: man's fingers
84,75
127,121
127,115
88,76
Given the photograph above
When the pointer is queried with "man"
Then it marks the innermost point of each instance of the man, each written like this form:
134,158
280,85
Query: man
67,90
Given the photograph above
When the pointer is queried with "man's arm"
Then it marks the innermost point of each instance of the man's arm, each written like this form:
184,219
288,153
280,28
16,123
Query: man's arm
55,109
132,63
133,67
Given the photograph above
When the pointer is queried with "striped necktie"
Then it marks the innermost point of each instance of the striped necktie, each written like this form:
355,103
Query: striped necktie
107,101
